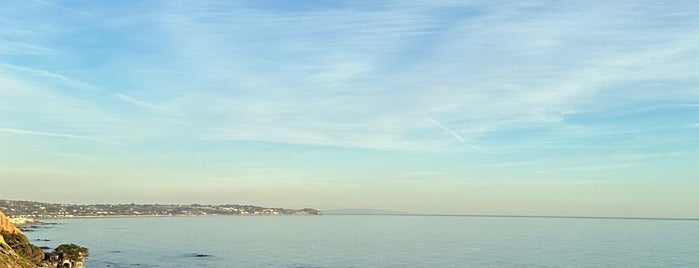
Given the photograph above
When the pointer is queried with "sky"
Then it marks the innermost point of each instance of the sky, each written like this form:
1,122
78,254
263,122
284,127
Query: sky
584,108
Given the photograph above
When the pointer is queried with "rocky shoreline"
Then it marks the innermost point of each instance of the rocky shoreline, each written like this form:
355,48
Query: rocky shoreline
17,252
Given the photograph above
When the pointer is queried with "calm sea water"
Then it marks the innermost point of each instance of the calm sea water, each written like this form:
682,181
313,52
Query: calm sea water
378,241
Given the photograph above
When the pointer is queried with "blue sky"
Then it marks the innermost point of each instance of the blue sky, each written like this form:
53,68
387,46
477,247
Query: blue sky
478,107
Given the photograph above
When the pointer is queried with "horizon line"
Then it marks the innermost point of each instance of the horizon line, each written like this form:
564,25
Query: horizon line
517,216
387,213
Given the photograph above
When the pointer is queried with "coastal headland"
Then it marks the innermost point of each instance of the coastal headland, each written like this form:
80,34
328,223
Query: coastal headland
17,252
40,210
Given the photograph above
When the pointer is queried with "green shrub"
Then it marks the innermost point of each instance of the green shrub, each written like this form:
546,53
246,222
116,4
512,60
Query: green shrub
20,244
73,251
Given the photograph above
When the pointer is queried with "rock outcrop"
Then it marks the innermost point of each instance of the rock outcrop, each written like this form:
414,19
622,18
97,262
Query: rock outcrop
7,226
17,252
8,257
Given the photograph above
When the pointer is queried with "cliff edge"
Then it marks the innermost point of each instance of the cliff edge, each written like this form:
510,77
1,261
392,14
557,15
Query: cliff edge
8,257
7,226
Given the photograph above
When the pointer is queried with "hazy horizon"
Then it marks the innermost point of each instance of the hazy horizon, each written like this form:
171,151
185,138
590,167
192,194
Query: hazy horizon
488,107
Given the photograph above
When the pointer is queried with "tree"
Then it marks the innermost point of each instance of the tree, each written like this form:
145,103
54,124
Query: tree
73,251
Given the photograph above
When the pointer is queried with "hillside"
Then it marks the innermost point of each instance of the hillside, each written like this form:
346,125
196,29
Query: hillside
8,257
32,209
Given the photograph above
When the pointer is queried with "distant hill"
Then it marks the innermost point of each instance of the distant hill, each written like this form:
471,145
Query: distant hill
360,211
31,209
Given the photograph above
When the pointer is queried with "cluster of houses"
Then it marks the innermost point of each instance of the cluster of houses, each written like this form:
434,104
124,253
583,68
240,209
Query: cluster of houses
62,260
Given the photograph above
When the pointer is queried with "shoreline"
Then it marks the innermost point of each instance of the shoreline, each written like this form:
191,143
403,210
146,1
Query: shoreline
38,220
169,216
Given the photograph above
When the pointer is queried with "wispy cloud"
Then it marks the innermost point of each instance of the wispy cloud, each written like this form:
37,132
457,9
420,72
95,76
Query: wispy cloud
47,74
74,155
66,8
433,80
49,134
20,48
474,77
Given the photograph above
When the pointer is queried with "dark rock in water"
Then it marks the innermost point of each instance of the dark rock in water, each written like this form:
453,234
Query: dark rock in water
200,255
45,240
44,247
116,251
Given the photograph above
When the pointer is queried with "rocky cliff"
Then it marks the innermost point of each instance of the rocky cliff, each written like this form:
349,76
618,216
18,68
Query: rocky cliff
7,226
8,257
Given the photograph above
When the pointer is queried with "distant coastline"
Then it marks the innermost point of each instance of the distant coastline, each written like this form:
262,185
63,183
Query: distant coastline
33,210
40,210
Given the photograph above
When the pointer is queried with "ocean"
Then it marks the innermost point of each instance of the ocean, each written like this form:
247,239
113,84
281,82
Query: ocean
376,241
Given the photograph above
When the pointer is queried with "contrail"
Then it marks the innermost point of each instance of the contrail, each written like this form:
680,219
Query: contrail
453,133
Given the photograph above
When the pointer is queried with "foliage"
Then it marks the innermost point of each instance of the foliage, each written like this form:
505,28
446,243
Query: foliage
14,261
73,251
20,244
